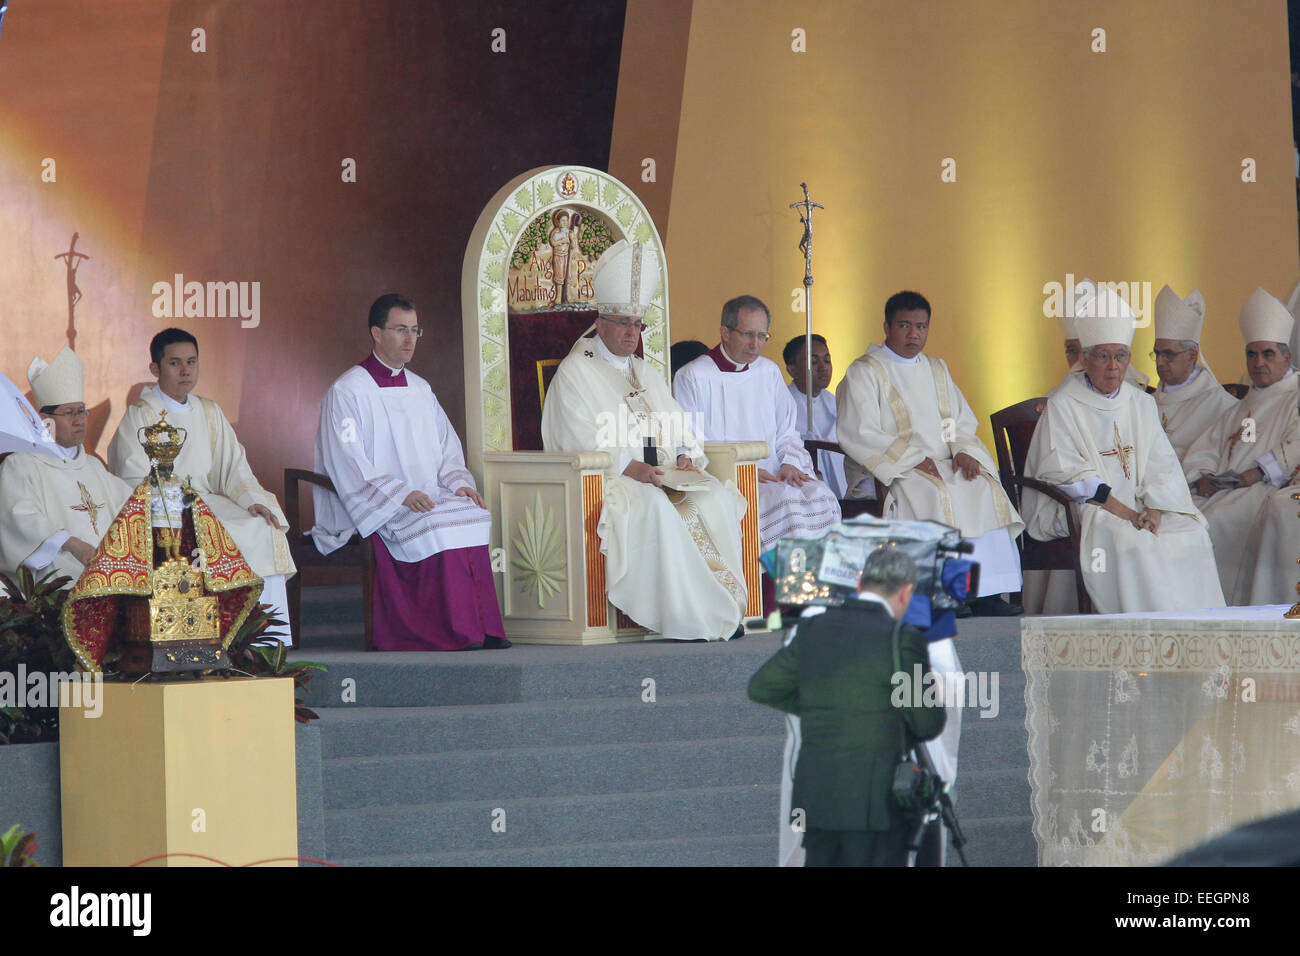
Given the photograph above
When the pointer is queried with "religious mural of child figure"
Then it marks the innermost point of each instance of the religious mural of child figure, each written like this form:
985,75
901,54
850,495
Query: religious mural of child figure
563,239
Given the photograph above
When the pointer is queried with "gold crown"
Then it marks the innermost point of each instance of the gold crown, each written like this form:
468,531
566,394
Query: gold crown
162,442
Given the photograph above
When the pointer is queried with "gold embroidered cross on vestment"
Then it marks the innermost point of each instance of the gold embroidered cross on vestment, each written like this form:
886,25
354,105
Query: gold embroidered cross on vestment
1121,452
89,507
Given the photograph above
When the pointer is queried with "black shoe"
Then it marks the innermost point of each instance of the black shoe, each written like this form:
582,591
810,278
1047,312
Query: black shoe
491,643
740,632
993,606
964,611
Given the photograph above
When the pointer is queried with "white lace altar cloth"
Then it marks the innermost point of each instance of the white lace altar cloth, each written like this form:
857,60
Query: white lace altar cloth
1150,733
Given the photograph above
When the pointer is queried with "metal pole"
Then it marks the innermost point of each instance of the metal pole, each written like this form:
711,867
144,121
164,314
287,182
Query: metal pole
805,246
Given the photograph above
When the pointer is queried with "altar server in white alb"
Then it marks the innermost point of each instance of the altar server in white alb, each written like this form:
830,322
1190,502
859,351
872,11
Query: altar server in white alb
673,562
903,419
1242,467
1190,398
1144,546
212,460
399,468
737,395
56,508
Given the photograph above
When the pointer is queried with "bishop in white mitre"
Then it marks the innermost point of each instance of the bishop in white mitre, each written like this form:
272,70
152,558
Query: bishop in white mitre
399,470
1254,450
212,460
903,419
57,507
1067,319
1144,545
1190,398
672,561
735,394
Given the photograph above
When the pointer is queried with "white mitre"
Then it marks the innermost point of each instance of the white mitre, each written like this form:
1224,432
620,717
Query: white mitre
1265,319
58,382
1293,306
625,279
1102,316
1178,318
1068,328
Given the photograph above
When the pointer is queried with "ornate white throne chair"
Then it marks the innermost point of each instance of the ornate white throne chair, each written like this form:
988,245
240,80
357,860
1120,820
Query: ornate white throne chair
526,298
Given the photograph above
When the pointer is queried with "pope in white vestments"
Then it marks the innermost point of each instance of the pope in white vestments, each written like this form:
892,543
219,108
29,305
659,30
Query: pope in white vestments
903,419
673,563
212,460
1190,398
1243,466
1144,545
735,394
399,470
57,507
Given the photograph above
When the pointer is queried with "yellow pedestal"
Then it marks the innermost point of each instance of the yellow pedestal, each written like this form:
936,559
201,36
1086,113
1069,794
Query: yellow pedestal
200,767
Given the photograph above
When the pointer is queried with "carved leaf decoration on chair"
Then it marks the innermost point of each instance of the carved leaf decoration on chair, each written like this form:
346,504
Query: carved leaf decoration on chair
539,549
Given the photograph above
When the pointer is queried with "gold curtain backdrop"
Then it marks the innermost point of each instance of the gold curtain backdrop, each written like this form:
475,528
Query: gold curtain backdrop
1123,165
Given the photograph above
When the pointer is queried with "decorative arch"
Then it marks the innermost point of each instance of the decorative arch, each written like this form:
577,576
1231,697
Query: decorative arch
485,294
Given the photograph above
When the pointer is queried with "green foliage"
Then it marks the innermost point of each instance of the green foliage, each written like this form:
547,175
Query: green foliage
270,659
594,237
18,848
534,237
31,633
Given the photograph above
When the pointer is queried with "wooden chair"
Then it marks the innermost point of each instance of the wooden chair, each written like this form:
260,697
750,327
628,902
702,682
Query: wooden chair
849,507
1013,428
358,553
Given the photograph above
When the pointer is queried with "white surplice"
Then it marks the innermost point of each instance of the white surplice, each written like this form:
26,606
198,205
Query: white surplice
895,412
47,500
1255,531
673,568
753,404
1085,439
829,463
1189,410
380,444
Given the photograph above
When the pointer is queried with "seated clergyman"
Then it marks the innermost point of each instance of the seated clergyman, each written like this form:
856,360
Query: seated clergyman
738,395
1242,466
56,508
1190,398
1144,546
673,564
212,460
903,419
399,469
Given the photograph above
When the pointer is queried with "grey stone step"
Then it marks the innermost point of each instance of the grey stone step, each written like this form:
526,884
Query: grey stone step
992,793
369,782
991,744
377,731
532,672
750,850
997,841
696,813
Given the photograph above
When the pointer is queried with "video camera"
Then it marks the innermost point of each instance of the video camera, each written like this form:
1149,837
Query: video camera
827,570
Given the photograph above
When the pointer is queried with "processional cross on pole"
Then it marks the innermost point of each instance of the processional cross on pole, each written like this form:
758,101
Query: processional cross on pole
805,246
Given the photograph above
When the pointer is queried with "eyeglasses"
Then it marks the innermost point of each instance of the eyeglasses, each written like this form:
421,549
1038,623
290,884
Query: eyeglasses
1105,358
625,323
762,337
404,329
1166,355
82,412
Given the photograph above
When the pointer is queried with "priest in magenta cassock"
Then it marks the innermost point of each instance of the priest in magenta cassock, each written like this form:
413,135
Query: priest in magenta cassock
737,395
1190,398
903,419
1254,450
56,508
400,472
1144,546
673,563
